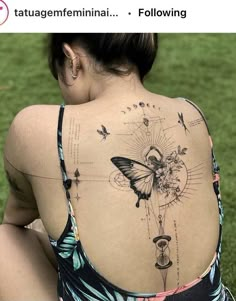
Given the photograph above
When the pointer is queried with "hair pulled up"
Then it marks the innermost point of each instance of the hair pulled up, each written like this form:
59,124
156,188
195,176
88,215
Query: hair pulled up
111,50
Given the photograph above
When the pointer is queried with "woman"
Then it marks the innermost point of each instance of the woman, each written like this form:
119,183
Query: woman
124,180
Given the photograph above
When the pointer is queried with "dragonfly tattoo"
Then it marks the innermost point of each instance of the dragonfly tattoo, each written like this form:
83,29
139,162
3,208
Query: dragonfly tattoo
181,121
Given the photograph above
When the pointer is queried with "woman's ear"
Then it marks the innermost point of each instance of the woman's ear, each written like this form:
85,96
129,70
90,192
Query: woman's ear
68,51
74,64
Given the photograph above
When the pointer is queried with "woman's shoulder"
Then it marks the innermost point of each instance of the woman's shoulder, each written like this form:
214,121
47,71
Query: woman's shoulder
30,112
190,104
28,125
194,110
33,118
183,113
181,103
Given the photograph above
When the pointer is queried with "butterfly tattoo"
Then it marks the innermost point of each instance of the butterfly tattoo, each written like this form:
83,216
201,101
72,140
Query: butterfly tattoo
143,179
158,174
104,133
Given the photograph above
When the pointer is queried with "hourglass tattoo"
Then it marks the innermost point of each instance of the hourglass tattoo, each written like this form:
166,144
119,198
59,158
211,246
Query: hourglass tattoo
161,242
154,168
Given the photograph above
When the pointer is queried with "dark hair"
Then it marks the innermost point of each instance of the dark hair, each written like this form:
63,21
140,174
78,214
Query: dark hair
111,50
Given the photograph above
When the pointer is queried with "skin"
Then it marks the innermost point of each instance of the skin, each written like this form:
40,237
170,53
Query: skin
91,93
22,209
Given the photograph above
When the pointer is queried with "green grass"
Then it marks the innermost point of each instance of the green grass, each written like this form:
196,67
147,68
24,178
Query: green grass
201,67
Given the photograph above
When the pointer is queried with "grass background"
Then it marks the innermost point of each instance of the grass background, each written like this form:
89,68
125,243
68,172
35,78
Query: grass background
201,67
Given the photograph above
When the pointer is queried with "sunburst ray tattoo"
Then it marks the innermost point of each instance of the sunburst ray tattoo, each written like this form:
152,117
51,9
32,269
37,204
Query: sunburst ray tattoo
147,133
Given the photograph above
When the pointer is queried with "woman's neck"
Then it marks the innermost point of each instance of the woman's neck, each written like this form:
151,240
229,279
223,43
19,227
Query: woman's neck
110,86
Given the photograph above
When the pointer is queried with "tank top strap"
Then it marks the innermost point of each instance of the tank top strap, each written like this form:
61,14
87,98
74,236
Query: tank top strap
66,181
215,165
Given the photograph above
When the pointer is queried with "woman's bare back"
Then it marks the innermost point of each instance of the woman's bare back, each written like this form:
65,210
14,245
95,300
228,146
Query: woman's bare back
141,171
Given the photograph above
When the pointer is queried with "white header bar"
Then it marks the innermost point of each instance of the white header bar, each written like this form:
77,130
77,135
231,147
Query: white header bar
117,16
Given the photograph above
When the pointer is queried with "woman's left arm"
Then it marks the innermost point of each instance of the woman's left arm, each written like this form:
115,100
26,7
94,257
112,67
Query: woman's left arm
21,207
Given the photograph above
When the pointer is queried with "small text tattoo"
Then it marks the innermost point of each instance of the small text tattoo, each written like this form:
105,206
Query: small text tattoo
195,122
73,140
103,132
177,253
